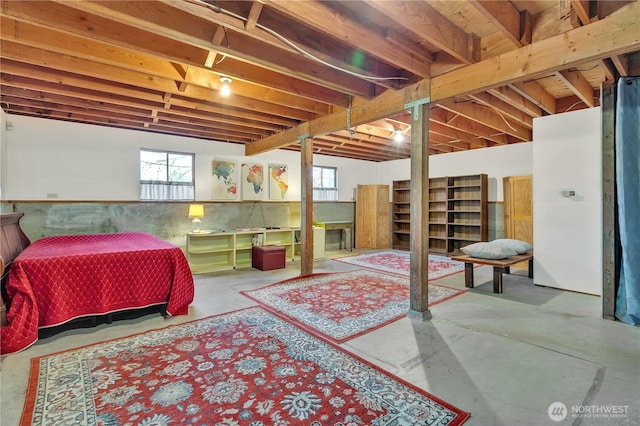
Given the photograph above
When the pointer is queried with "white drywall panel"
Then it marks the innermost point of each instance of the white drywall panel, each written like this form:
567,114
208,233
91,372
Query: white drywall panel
567,156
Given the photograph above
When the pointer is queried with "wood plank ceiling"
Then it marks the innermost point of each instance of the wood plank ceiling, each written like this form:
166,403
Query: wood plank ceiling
160,65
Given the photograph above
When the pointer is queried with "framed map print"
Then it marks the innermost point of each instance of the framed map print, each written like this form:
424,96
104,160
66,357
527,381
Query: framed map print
278,181
224,180
253,182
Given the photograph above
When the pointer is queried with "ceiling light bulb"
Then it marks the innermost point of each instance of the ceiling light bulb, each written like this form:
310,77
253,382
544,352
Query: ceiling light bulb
225,90
398,136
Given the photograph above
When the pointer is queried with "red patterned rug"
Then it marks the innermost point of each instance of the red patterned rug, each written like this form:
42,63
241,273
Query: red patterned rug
397,262
247,367
343,305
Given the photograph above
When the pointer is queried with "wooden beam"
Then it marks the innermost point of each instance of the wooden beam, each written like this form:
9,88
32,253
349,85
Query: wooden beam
537,94
58,61
615,35
507,94
578,85
152,25
490,117
526,28
582,10
621,62
157,64
505,109
254,13
618,34
430,25
481,131
504,15
317,15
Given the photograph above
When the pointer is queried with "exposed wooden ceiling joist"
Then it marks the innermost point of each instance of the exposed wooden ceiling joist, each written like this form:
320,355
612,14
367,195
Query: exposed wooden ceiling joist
314,67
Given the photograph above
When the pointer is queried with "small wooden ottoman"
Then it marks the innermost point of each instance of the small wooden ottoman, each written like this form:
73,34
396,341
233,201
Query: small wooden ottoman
267,258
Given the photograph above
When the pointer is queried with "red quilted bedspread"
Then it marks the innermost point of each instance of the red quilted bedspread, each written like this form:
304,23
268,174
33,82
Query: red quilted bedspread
57,279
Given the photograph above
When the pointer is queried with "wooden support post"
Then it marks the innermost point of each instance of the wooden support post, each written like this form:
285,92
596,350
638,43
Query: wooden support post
306,210
609,222
419,228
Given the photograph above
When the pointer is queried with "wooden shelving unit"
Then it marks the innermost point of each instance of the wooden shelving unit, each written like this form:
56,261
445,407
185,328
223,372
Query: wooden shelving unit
437,215
211,252
467,216
400,209
457,213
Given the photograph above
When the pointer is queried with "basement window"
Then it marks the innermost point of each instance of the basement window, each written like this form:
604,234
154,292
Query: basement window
325,183
166,175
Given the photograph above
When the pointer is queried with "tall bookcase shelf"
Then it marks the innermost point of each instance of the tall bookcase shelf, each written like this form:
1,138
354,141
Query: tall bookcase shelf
400,210
466,211
457,213
437,211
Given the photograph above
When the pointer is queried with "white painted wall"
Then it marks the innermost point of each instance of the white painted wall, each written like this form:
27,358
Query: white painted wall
83,162
567,231
3,152
497,162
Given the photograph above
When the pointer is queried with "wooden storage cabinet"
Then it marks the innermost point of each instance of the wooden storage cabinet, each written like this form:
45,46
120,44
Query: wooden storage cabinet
372,216
400,215
457,213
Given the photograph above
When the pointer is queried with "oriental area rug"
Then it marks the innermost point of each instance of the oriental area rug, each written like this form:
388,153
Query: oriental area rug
340,306
246,367
397,262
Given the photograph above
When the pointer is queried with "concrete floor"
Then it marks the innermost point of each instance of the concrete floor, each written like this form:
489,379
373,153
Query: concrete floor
505,358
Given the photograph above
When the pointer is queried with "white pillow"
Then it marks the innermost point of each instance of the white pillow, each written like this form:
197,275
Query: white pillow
519,246
488,251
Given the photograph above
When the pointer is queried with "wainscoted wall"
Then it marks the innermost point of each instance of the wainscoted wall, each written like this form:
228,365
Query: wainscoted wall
169,220
166,220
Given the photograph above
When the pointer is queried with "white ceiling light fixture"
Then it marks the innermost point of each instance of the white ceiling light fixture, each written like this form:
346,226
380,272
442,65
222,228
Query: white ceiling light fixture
398,136
225,90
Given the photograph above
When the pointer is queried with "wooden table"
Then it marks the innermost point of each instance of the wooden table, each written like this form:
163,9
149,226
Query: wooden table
341,225
500,266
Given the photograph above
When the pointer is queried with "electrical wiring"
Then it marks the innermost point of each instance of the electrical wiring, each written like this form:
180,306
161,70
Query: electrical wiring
218,9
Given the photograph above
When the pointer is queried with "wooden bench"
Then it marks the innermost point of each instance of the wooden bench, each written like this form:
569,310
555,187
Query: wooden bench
500,266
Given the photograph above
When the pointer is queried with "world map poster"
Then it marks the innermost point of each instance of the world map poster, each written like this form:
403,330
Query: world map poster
252,181
278,181
224,178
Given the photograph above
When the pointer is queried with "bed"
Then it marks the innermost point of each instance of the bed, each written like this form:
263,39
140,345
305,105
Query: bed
55,280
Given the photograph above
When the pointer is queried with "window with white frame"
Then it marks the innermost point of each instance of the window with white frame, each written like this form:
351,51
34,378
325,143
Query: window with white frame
325,183
166,175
